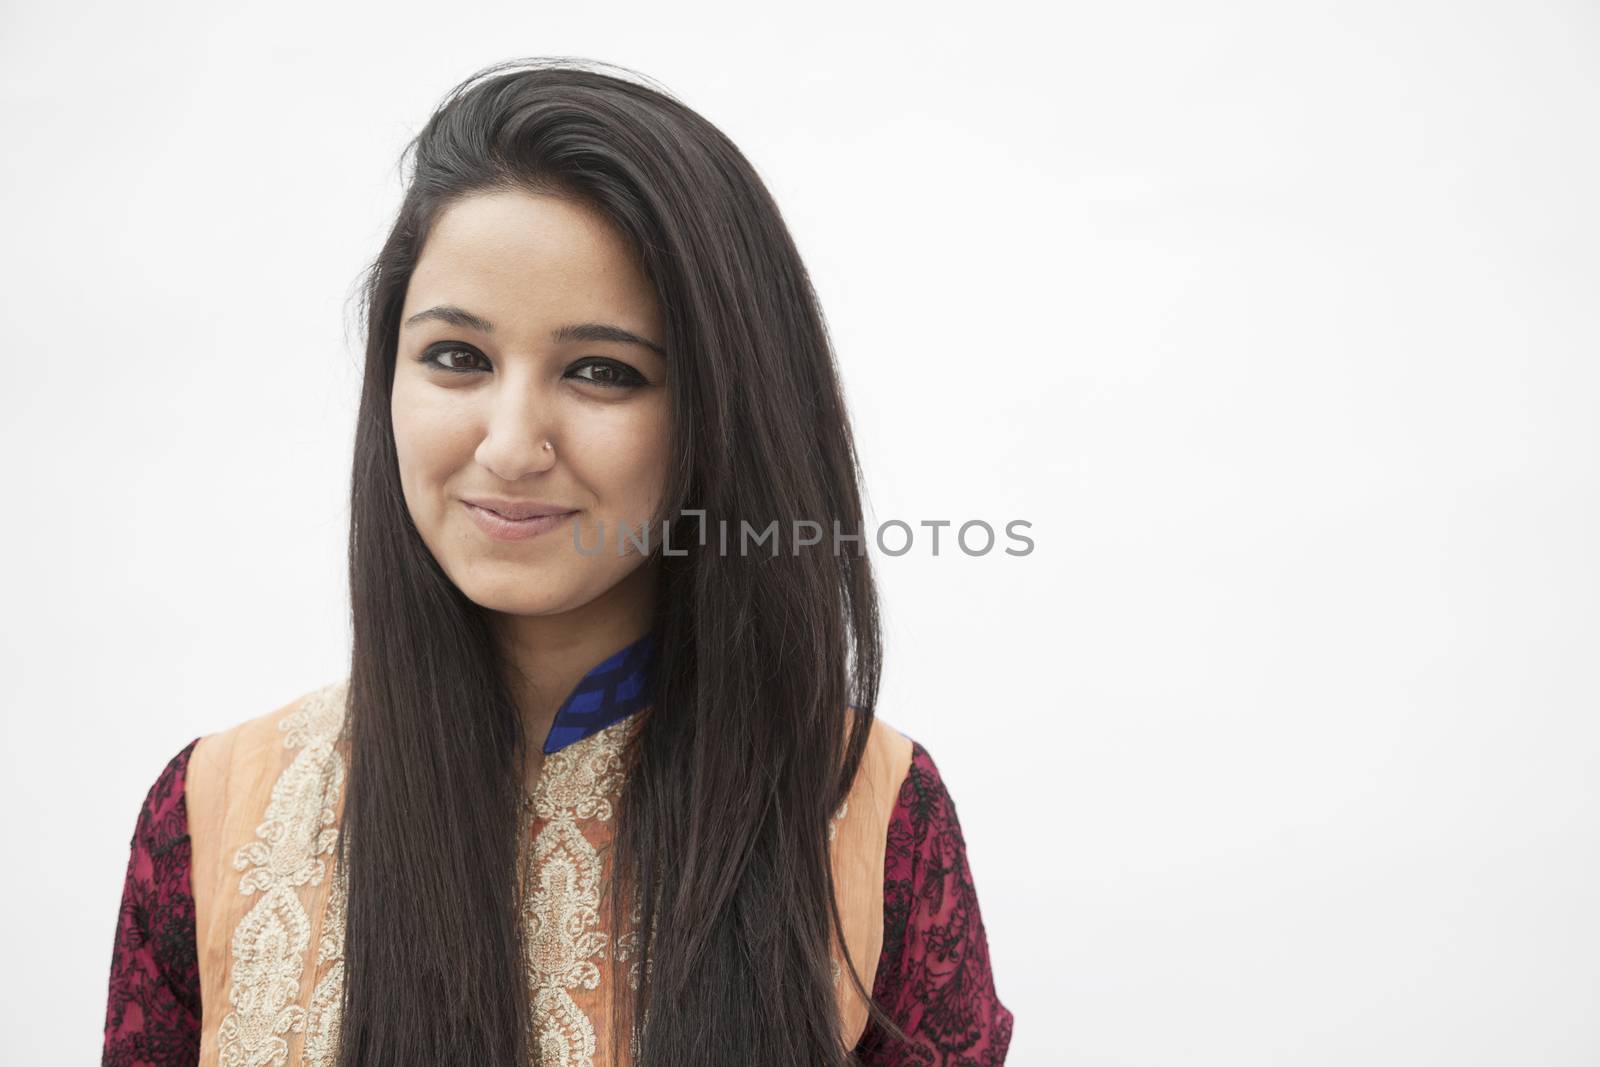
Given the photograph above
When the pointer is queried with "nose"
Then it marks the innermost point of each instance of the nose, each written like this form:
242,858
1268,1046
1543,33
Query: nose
519,424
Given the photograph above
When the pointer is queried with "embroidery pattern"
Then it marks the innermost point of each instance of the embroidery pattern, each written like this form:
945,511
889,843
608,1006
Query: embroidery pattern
153,1003
933,973
322,1021
934,976
628,950
295,841
561,913
270,942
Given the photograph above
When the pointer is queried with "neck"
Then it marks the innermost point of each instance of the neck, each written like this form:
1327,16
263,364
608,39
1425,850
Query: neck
547,655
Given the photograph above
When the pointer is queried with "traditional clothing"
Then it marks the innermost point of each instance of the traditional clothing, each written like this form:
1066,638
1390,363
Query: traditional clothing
229,946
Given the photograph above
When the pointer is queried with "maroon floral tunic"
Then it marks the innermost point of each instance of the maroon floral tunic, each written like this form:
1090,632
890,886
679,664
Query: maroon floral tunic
933,975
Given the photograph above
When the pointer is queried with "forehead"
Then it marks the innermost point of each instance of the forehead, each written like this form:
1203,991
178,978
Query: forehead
521,258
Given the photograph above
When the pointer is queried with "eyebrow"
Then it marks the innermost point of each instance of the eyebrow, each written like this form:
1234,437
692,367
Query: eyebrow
577,331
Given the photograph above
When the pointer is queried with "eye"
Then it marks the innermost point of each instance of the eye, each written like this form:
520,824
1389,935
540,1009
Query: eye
440,352
433,356
607,372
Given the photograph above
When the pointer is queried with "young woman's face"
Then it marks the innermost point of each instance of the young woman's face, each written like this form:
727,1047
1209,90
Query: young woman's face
516,331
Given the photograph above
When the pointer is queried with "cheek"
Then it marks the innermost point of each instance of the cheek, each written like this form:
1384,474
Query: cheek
428,438
624,458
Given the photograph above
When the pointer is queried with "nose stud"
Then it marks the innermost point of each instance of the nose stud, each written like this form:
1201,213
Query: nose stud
548,447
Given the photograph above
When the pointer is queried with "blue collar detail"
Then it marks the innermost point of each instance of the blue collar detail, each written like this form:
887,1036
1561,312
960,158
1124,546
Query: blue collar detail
614,689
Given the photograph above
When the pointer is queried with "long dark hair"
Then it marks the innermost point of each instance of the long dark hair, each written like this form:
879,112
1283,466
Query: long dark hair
749,745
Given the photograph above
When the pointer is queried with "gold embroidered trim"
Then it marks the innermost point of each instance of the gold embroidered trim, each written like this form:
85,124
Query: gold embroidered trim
628,949
322,1020
561,913
270,942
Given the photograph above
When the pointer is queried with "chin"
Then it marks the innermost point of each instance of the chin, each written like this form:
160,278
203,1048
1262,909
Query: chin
520,601
517,588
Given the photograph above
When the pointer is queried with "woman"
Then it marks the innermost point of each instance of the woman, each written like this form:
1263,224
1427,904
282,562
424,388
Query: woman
598,743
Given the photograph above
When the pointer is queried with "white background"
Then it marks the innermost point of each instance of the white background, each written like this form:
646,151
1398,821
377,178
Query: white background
1278,321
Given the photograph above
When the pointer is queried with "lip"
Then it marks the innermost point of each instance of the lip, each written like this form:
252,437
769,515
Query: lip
517,509
501,528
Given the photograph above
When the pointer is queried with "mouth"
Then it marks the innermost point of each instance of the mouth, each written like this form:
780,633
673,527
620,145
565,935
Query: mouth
503,528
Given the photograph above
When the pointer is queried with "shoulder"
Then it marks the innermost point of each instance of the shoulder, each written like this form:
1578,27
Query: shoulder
924,801
924,819
162,820
231,770
260,740
926,854
155,908
164,814
884,763
323,703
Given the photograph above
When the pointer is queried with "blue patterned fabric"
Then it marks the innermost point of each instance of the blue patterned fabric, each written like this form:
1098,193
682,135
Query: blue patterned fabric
613,689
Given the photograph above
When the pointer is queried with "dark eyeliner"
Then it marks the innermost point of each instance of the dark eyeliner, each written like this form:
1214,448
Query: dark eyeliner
631,379
430,357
